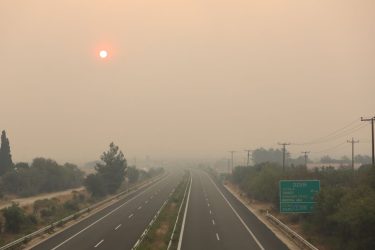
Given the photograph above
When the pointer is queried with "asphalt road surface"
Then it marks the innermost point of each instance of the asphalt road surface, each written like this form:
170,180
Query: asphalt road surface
118,226
215,220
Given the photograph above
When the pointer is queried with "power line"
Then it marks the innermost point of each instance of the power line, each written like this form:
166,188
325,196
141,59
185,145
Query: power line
329,149
344,131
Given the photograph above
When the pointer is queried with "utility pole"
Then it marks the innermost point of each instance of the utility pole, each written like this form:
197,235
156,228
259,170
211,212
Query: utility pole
228,165
248,156
306,156
232,152
353,142
372,133
284,144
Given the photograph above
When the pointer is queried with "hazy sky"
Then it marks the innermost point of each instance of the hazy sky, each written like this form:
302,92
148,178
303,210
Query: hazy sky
184,77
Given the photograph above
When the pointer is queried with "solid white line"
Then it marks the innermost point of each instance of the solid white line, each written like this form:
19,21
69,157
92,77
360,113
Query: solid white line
139,208
184,219
217,236
238,216
131,216
100,242
118,227
213,222
114,210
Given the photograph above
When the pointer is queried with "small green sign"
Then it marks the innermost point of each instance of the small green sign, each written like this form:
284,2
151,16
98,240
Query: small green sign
298,196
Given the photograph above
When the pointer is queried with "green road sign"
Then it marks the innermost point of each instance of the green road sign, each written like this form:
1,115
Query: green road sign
297,196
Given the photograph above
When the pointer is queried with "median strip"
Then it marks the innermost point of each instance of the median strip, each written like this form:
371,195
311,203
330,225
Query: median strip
164,230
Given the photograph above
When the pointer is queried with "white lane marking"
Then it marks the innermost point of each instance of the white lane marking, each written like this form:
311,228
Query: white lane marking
100,242
184,219
208,204
217,236
146,202
139,208
131,216
213,222
238,216
114,210
118,227
210,212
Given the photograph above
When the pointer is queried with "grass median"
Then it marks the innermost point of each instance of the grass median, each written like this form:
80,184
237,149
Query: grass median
159,235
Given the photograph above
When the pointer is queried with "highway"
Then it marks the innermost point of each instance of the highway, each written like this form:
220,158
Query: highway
118,226
215,219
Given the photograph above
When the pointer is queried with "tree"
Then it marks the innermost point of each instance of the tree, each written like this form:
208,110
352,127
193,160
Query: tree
110,173
21,165
94,184
133,174
5,156
261,155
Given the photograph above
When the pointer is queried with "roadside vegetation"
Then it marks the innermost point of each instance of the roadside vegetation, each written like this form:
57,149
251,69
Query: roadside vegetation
344,215
159,235
46,175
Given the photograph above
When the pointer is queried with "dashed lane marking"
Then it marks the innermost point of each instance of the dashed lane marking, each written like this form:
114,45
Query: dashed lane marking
100,242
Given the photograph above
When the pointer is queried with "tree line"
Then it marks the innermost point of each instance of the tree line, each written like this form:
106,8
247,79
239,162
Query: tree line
261,155
46,175
42,175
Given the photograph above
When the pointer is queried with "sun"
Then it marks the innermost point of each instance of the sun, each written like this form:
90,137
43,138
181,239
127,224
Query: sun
103,54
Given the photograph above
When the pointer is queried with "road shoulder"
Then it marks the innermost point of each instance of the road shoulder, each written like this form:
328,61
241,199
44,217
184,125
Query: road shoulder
246,202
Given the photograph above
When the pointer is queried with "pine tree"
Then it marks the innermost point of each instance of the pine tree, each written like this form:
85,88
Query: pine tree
5,156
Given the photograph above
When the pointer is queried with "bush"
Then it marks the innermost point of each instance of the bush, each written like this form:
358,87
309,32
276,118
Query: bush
14,218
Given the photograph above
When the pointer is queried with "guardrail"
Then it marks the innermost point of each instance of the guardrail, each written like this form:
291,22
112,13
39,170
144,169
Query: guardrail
296,237
50,227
